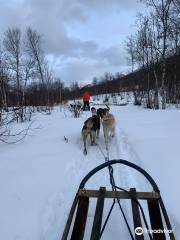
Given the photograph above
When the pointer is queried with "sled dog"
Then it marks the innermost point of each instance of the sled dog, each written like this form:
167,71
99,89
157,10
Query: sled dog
76,109
108,122
102,111
96,118
90,128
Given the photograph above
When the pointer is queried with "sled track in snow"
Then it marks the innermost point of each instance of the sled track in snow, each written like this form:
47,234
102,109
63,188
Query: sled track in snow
119,148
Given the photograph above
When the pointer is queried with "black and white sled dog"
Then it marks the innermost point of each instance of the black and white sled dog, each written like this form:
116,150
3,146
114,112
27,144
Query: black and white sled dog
91,128
76,109
96,118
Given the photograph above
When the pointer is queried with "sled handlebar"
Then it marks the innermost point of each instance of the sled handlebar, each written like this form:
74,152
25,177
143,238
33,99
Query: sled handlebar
123,162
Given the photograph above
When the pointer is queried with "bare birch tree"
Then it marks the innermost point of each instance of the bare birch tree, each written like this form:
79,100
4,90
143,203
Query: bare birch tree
12,45
34,50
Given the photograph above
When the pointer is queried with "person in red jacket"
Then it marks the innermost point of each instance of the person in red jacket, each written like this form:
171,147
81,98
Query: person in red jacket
86,98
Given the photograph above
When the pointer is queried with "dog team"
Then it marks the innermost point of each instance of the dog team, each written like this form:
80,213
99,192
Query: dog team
92,126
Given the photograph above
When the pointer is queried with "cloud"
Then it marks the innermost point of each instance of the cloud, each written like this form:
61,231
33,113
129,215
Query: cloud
108,6
81,69
115,55
82,36
87,66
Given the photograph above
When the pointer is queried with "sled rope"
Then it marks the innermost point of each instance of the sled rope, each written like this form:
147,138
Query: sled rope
101,151
112,182
106,145
114,188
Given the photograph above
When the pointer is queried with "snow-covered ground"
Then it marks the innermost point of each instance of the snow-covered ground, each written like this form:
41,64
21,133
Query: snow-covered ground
40,175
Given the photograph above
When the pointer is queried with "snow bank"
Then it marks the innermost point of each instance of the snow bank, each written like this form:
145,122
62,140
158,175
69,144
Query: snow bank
40,175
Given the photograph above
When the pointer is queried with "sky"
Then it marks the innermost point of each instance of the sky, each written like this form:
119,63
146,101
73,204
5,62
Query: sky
81,38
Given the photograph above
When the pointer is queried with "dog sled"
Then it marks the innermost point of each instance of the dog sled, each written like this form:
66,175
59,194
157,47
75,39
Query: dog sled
155,220
76,109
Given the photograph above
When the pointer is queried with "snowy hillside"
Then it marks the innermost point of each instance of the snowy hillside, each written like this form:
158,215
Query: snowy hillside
40,175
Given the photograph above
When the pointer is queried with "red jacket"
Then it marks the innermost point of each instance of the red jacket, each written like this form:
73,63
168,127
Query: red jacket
86,96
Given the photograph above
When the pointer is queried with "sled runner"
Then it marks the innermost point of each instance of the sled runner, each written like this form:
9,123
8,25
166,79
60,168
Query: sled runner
155,221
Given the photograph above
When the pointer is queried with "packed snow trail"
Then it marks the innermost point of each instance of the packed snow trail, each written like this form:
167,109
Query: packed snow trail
40,176
78,166
119,148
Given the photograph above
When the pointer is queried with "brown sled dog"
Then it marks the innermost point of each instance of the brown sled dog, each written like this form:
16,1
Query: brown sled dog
108,122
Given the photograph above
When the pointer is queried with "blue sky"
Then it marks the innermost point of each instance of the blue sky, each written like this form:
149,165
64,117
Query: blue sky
82,38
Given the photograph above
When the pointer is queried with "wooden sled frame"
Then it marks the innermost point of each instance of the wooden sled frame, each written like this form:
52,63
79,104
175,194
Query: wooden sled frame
157,212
